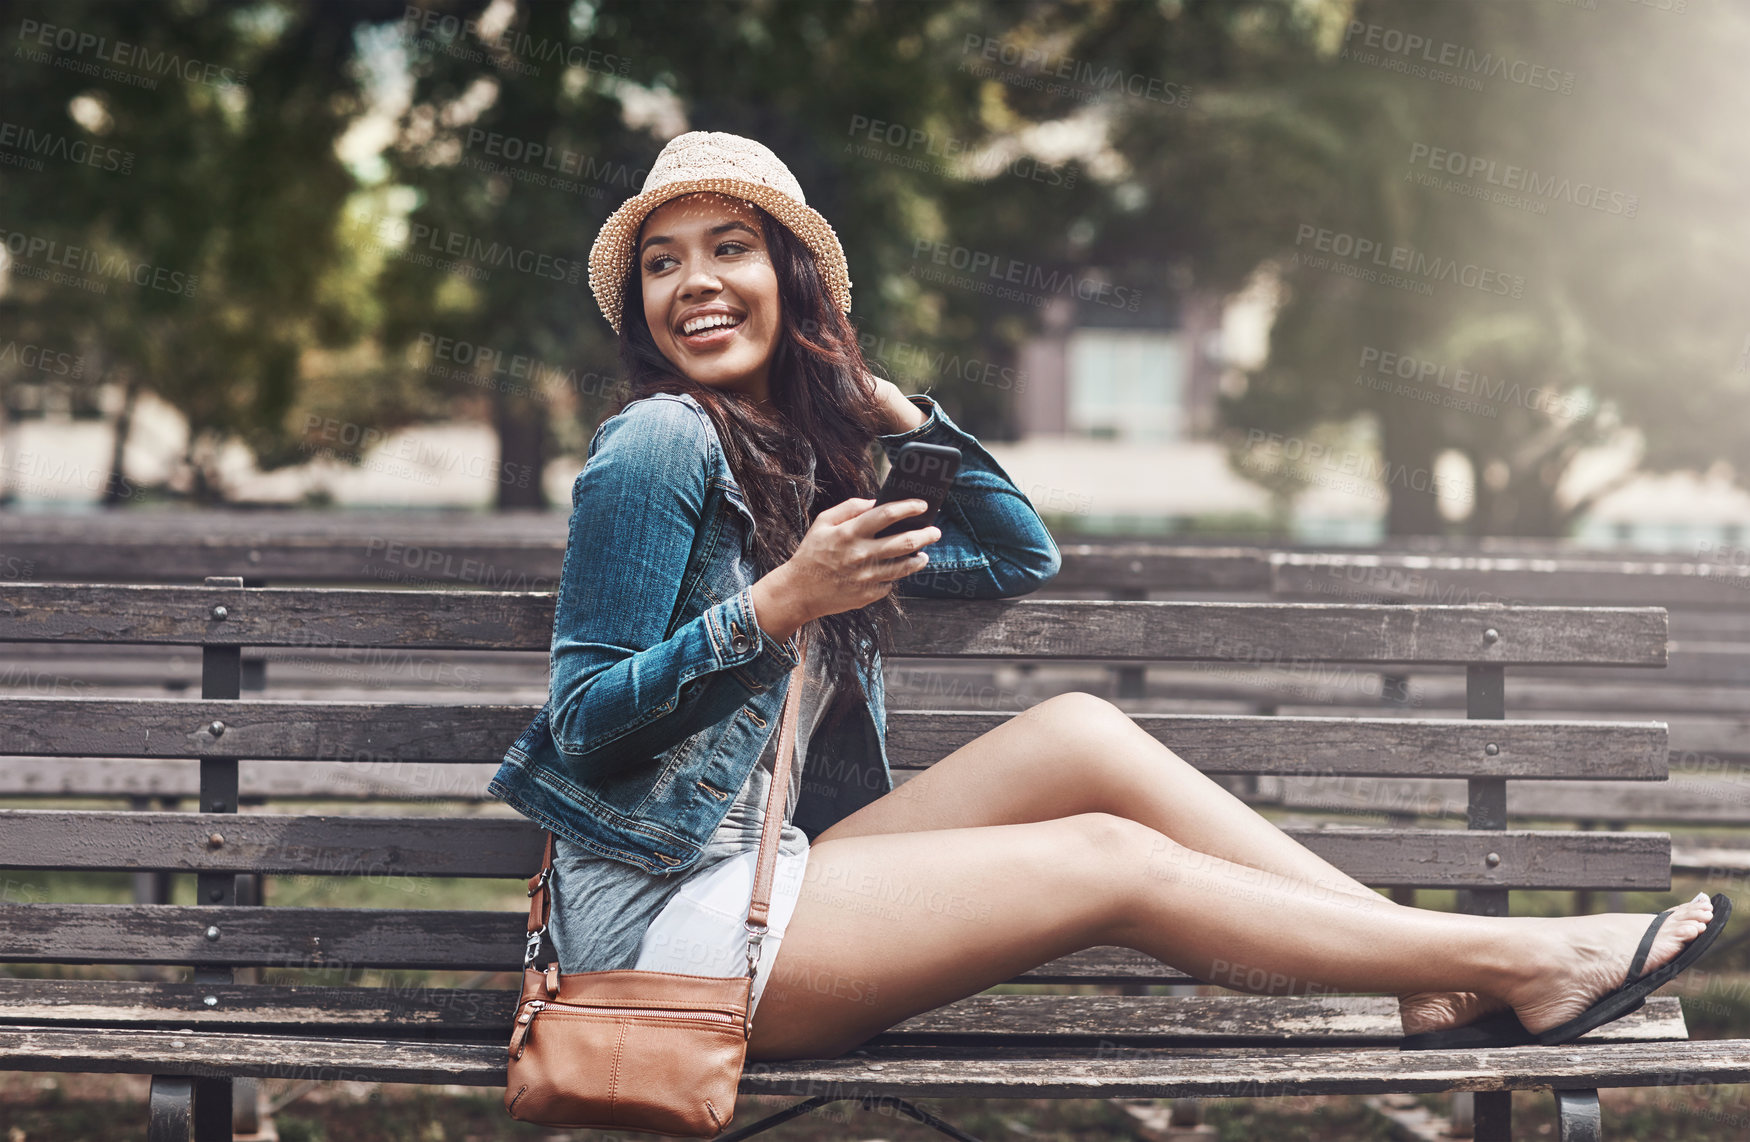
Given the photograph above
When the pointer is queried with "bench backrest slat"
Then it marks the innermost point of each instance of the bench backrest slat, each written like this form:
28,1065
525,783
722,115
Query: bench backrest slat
1592,579
1045,628
399,849
527,555
385,735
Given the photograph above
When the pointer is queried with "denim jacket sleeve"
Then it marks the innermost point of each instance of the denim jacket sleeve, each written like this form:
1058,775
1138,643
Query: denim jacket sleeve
993,545
623,688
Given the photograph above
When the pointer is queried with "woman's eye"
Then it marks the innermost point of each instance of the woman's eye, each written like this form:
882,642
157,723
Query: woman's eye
655,263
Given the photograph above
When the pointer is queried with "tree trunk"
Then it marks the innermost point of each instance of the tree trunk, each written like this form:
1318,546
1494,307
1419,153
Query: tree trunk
1412,505
116,487
522,452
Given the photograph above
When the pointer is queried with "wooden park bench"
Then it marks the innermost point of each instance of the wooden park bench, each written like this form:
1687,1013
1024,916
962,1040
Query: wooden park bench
194,1036
1703,693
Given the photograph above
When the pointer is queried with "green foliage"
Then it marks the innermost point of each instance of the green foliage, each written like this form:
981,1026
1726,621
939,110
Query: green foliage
1160,154
220,201
1615,317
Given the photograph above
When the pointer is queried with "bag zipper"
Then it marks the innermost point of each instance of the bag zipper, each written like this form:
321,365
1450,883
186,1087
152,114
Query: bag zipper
526,1018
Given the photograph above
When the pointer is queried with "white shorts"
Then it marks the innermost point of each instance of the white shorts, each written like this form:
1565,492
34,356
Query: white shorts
702,930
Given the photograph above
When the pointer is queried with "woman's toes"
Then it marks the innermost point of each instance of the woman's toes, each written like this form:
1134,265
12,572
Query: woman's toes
1687,921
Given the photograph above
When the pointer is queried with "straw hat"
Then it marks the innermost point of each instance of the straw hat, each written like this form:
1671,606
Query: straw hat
728,164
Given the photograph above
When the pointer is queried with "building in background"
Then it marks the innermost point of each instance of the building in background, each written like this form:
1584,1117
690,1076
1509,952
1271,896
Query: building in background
1117,425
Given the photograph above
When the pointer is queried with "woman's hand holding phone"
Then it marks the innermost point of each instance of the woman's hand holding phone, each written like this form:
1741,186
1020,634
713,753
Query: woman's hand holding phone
841,565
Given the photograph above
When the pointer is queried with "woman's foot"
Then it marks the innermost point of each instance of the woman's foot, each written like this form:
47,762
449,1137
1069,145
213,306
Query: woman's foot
1442,1010
1590,956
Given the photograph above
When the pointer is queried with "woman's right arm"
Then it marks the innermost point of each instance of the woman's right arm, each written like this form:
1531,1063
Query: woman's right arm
622,689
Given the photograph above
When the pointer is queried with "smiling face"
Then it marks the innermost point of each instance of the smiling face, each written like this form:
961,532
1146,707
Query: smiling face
710,292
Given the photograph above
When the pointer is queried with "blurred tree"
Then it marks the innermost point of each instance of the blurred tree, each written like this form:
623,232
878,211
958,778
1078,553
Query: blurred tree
1174,150
529,123
1615,250
202,227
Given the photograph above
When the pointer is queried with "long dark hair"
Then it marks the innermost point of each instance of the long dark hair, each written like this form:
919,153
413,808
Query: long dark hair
819,408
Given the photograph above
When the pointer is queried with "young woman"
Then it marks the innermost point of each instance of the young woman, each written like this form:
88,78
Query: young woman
728,507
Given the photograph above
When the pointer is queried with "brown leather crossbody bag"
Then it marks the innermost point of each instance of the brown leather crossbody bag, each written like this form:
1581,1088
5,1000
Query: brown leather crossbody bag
642,1050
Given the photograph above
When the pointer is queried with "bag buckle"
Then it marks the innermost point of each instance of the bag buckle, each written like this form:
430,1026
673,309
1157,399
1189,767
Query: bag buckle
534,947
541,880
755,937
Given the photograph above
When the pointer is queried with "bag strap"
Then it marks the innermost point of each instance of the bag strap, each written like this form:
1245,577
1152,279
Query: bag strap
759,907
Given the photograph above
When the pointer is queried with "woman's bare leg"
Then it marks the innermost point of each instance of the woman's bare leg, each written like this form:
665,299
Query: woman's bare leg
890,925
1078,753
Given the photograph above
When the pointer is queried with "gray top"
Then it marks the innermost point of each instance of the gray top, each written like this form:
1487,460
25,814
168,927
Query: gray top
601,907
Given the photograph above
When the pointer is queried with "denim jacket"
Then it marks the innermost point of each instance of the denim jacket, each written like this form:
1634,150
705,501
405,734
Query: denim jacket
663,688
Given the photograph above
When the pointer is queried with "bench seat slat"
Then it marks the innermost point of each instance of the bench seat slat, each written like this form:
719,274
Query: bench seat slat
1236,1072
1003,1020
285,937
510,847
992,628
392,737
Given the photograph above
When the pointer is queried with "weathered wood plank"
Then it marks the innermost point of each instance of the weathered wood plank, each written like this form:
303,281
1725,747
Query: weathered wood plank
399,621
1357,691
997,628
374,735
262,936
522,555
1444,747
1002,1021
1239,1072
289,781
258,780
1103,965
222,524
378,847
1692,664
530,564
401,552
1711,861
1379,577
388,739
407,1009
1689,684
504,564
1696,801
1144,566
73,668
514,553
510,847
362,938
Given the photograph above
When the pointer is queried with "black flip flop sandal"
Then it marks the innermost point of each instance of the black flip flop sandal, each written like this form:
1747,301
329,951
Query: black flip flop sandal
1635,989
1496,1029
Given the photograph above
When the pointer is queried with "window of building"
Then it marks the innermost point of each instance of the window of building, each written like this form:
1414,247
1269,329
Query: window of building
1127,384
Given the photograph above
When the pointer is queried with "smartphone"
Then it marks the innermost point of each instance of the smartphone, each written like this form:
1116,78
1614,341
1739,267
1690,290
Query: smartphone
919,472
